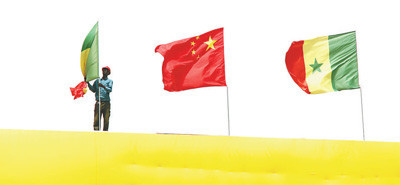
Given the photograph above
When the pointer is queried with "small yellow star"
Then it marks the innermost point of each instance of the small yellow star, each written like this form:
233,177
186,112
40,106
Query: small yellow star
198,57
210,43
197,38
192,43
193,52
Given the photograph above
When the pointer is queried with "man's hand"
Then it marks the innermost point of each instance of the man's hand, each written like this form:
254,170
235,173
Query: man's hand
101,85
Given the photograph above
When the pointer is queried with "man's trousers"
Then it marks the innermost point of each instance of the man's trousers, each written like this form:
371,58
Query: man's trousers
105,112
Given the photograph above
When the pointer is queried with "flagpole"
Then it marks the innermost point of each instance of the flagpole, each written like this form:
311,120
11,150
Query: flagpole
227,103
362,114
99,105
98,66
362,107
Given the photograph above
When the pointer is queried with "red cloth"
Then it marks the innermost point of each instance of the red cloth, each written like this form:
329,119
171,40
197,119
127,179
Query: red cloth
194,62
78,92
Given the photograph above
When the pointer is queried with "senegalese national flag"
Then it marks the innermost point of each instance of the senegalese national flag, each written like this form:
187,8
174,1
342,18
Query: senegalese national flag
324,64
90,55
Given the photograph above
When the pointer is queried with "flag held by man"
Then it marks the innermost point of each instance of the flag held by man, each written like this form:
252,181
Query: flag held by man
79,90
194,62
89,62
90,55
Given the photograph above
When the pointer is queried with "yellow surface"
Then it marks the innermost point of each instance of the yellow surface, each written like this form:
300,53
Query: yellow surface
98,158
84,56
318,48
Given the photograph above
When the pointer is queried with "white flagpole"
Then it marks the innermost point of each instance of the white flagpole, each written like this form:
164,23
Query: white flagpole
227,103
98,68
99,105
362,115
362,107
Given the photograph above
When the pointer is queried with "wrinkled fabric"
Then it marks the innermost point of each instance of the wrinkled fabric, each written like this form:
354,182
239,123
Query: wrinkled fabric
79,90
194,62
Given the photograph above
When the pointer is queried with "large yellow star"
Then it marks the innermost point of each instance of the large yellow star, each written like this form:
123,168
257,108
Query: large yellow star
210,43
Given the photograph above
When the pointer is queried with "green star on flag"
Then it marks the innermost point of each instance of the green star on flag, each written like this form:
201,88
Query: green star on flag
316,66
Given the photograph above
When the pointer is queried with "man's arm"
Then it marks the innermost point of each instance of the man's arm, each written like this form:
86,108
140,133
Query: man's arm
108,86
92,88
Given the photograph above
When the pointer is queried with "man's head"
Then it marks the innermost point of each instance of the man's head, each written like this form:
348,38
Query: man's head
106,71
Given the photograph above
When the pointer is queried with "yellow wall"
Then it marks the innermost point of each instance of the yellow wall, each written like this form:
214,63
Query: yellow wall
91,158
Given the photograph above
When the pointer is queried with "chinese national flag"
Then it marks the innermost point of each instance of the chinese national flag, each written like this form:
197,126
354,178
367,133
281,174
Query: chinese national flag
79,90
194,62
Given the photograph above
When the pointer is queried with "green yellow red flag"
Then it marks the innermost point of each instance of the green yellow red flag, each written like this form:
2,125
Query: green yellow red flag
90,55
89,62
324,64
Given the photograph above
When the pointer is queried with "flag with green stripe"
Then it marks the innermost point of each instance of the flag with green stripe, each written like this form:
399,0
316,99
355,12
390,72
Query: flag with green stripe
324,64
90,55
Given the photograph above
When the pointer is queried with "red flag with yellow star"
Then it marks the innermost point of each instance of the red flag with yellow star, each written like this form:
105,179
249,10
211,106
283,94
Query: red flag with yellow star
194,62
79,90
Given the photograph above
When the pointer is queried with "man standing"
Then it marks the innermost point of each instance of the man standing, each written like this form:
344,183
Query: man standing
105,90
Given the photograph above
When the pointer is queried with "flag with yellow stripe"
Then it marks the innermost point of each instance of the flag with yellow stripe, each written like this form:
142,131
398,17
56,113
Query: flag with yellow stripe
324,64
90,55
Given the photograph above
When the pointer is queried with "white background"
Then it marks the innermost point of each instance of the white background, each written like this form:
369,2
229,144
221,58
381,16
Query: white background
40,44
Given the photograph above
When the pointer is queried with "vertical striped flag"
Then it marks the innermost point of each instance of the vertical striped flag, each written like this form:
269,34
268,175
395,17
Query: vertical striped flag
324,64
90,55
89,62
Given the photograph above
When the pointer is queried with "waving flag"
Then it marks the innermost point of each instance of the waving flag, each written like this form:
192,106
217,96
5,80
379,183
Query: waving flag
90,55
89,62
79,90
324,64
194,62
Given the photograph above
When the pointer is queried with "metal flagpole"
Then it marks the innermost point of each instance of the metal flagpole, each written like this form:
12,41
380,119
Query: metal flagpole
362,115
227,103
98,63
362,107
99,105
